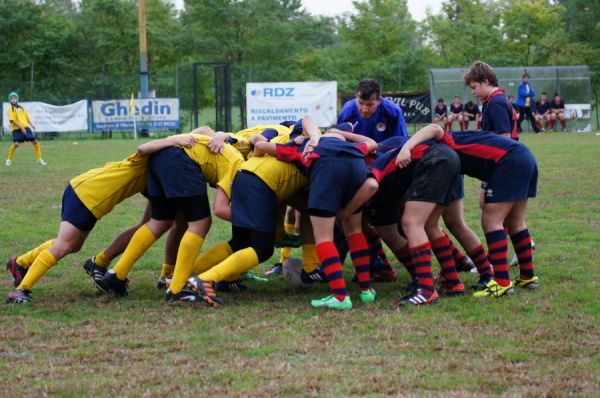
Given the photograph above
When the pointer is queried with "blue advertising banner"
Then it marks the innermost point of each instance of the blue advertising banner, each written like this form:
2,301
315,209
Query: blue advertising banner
151,113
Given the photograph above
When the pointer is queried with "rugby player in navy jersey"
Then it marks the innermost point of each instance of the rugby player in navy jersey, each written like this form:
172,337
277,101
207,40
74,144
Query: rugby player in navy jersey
471,112
371,114
441,113
542,112
456,113
427,185
338,174
510,170
557,109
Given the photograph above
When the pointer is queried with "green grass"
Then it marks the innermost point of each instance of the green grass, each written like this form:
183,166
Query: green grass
72,341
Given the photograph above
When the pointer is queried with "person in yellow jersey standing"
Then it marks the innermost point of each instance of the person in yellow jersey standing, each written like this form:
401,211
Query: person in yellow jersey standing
21,125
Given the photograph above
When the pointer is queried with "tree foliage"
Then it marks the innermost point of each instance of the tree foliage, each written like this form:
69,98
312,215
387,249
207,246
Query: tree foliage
89,48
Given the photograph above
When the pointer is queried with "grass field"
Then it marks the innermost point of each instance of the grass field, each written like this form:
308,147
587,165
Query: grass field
73,341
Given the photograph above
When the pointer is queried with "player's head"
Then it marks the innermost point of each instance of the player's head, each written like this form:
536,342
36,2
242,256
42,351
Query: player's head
470,105
456,99
440,101
368,97
526,77
511,98
13,97
481,79
556,98
544,97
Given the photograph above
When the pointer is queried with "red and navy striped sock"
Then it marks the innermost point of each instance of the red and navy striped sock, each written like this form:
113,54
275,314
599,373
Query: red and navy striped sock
456,253
403,255
443,253
421,258
522,243
376,246
498,255
359,252
481,261
332,267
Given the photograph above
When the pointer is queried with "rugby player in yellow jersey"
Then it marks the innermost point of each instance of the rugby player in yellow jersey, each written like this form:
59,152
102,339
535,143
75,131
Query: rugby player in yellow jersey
261,184
86,199
177,180
20,125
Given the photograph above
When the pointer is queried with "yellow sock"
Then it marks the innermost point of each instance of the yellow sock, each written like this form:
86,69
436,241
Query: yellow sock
290,228
141,241
28,258
236,264
11,152
284,254
310,261
189,247
38,150
43,262
101,260
166,270
212,257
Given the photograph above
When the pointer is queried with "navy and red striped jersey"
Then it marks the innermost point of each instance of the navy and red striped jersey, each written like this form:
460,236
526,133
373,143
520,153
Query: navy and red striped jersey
479,151
498,116
385,166
328,147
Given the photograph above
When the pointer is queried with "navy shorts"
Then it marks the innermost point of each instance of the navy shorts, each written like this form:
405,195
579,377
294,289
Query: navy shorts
253,203
173,174
514,178
333,183
74,211
18,135
435,176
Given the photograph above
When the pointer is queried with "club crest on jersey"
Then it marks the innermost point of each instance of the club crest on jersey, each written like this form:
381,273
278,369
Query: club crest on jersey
489,193
380,126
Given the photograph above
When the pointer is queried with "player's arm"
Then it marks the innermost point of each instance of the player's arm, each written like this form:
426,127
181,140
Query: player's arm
222,205
310,129
429,132
263,147
29,120
148,148
364,193
358,138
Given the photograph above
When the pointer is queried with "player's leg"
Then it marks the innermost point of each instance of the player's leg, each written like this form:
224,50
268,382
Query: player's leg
414,219
440,244
196,212
97,265
69,240
360,255
563,121
492,220
171,247
521,240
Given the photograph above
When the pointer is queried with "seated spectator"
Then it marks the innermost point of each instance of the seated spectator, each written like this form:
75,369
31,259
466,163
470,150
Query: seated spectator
557,109
471,112
542,112
456,113
441,113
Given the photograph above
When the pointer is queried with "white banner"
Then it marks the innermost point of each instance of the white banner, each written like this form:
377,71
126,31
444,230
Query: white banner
273,103
151,113
47,118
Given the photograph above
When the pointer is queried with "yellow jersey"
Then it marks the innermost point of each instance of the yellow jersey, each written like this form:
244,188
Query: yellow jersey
243,136
101,189
218,169
283,178
19,114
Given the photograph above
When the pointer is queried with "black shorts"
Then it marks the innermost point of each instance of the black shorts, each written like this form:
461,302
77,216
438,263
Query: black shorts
74,211
193,208
435,176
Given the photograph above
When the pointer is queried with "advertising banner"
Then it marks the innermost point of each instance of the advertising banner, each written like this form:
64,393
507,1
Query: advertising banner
273,103
150,113
51,118
415,104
